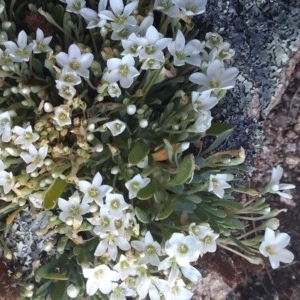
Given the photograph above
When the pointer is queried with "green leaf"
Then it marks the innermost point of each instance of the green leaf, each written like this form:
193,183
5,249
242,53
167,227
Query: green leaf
147,192
45,269
165,212
185,171
241,245
138,152
58,290
141,215
228,203
193,198
53,193
56,276
248,191
233,223
185,206
58,14
221,131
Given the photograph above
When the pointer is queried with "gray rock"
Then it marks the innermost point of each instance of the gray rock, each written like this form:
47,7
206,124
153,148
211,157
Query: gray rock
266,37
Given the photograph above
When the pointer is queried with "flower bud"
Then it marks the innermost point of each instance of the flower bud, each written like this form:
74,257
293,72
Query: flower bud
115,170
94,207
91,127
48,246
99,148
131,109
48,107
72,291
143,123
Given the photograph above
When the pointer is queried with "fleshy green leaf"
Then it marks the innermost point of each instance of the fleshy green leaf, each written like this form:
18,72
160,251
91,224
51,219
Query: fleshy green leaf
185,171
56,276
221,131
138,152
141,215
165,212
147,192
53,193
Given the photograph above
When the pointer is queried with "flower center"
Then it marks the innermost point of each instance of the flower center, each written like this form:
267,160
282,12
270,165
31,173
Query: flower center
118,223
75,211
180,55
115,204
270,250
28,136
63,117
124,265
124,70
105,221
150,249
214,83
150,49
38,159
206,240
93,193
74,65
135,186
183,248
118,126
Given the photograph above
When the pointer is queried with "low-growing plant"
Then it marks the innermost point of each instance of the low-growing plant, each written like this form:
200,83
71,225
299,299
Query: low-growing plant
112,184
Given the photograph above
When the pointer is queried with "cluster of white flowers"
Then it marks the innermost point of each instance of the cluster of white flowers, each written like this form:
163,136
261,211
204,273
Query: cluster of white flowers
101,100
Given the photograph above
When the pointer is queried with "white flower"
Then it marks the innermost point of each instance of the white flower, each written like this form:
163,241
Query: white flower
191,7
273,246
75,6
149,248
135,184
73,210
122,292
202,123
7,181
275,187
34,158
25,136
75,61
120,15
133,44
203,101
61,116
217,184
99,278
110,242
216,77
2,7
65,90
155,44
116,204
94,191
19,51
116,127
114,90
151,64
36,199
92,18
205,236
6,60
177,291
122,70
125,267
167,7
183,248
103,223
185,53
68,78
5,127
41,43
